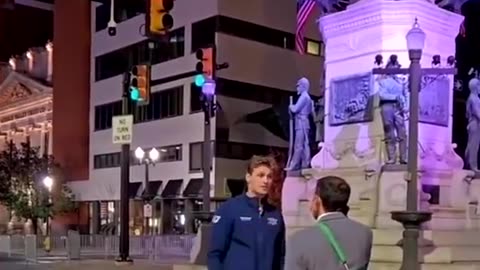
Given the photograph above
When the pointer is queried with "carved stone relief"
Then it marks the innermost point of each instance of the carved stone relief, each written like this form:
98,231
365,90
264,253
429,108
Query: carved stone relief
351,100
14,93
435,100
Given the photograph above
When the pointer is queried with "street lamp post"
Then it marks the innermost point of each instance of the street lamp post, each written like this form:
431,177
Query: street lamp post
153,156
412,218
48,183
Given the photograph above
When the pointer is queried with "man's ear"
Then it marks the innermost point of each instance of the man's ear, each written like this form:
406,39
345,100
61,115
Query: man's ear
247,177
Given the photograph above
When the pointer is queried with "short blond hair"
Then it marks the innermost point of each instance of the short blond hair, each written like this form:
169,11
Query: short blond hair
257,161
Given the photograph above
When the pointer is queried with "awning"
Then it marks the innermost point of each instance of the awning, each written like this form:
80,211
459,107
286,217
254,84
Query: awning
194,188
133,189
172,189
153,188
236,186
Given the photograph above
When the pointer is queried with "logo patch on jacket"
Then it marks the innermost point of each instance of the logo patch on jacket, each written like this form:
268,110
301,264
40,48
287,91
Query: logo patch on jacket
272,221
245,218
216,219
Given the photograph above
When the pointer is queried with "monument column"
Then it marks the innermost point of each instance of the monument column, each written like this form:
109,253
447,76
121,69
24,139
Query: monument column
354,146
353,38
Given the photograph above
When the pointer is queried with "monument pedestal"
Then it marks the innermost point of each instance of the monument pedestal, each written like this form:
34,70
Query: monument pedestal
354,146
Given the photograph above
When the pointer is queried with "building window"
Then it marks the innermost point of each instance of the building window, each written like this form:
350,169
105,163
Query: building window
195,98
163,104
196,155
113,160
314,48
116,62
203,32
103,161
124,10
222,134
170,153
252,92
244,151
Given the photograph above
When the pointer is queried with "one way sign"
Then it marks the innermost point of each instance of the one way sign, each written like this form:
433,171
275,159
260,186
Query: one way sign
122,129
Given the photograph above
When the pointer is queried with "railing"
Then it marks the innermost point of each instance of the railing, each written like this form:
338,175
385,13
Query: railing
156,248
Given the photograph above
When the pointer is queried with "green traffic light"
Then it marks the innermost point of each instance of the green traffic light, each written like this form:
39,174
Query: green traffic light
134,93
199,80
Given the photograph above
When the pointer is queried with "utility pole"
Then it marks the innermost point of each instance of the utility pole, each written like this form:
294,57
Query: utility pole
124,248
207,151
206,69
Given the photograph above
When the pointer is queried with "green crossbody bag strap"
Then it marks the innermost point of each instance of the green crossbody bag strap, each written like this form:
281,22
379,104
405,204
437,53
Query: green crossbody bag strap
333,243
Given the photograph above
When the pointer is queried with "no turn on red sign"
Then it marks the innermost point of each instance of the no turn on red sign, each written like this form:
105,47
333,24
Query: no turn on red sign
122,126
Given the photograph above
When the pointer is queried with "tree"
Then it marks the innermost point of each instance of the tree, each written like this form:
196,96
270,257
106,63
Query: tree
22,170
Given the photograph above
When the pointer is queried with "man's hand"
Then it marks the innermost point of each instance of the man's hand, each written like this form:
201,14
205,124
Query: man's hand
291,107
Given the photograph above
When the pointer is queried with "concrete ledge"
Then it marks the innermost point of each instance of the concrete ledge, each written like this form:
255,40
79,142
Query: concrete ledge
396,266
107,265
189,267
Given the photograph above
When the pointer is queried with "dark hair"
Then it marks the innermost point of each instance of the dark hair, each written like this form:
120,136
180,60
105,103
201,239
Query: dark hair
334,193
257,161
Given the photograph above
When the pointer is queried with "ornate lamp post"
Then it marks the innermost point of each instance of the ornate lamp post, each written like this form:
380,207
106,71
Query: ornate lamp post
412,219
48,183
153,156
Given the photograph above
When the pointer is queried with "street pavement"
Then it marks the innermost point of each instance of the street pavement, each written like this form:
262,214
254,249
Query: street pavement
60,263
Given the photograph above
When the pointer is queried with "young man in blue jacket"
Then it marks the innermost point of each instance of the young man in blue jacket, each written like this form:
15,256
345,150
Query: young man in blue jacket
249,233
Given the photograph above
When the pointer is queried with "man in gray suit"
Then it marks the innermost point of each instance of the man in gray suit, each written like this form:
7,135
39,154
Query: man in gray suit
312,249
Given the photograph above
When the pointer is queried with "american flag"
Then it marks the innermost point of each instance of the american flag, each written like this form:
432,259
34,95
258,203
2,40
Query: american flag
304,8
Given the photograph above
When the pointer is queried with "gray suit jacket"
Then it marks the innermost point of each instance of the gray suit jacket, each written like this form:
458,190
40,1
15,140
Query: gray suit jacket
308,249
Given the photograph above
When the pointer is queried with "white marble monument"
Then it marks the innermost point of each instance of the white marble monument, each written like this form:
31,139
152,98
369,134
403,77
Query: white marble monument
354,147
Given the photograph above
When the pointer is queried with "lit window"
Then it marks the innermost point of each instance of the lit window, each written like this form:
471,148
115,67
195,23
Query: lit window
313,47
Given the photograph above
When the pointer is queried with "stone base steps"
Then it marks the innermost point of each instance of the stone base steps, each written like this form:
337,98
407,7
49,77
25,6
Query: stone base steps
429,238
453,266
437,247
429,254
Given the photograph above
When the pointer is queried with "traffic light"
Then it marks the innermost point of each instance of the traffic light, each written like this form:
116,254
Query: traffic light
205,66
158,18
140,84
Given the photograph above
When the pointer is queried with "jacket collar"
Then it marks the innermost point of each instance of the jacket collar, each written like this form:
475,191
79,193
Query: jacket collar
331,216
255,202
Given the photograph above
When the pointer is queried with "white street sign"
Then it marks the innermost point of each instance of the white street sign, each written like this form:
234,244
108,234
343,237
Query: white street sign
122,129
147,211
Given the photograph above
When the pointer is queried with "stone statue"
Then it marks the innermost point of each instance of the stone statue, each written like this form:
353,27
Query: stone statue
394,111
319,120
473,127
300,113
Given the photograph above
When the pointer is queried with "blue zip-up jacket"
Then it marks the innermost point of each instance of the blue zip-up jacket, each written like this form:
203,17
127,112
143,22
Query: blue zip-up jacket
246,236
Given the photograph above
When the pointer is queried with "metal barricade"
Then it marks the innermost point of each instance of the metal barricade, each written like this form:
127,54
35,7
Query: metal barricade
5,245
155,248
31,248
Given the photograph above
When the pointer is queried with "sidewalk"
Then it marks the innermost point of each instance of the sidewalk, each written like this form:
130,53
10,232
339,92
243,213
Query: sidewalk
21,264
109,265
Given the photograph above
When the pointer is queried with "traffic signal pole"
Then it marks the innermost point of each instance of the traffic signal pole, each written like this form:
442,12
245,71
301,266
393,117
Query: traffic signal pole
206,76
124,248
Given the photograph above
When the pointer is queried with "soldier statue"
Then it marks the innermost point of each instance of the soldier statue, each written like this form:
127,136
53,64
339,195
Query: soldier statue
319,120
473,127
394,111
300,113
